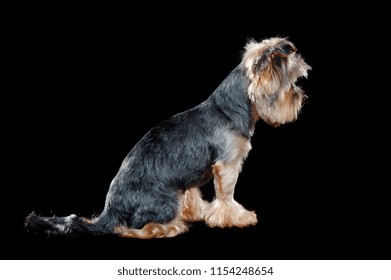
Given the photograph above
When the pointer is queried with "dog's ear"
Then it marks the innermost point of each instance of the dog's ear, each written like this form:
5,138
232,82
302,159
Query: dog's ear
272,55
262,61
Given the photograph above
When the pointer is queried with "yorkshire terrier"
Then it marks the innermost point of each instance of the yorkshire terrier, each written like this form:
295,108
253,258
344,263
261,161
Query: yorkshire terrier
157,188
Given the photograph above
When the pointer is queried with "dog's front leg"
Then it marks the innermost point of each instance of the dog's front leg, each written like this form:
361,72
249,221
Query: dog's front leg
224,211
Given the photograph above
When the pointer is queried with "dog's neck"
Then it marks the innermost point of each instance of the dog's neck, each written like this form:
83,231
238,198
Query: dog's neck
232,100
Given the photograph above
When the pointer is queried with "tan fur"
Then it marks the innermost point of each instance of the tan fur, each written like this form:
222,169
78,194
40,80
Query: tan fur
286,108
153,230
229,213
193,205
90,220
224,211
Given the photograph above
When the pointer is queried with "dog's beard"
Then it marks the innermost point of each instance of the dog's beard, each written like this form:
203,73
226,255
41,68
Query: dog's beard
276,96
284,109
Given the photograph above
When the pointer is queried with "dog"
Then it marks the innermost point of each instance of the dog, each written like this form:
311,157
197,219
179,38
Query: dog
156,191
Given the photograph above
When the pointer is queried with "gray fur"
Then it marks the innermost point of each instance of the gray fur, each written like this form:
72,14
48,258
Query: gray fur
179,153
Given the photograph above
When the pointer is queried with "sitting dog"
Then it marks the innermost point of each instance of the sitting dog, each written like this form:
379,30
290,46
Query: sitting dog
157,188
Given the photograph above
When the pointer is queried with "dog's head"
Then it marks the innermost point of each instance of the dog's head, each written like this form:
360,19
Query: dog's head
273,67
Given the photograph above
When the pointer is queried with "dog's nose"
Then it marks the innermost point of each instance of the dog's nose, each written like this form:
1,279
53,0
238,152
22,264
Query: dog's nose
288,48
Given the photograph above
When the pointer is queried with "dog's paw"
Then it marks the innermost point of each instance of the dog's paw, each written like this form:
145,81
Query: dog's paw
228,214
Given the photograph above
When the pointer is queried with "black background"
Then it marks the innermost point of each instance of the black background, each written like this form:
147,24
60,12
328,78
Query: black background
86,83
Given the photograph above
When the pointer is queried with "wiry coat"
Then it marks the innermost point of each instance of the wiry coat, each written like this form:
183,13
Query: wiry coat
189,149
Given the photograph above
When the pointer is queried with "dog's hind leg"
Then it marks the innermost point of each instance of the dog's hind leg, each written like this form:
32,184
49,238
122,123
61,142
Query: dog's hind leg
157,230
193,205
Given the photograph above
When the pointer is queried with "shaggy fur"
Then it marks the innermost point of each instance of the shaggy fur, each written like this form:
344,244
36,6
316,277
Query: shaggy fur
156,190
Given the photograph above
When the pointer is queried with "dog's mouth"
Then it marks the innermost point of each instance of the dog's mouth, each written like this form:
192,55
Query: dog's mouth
298,84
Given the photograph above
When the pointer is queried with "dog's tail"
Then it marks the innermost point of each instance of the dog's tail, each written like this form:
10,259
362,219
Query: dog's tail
70,225
75,226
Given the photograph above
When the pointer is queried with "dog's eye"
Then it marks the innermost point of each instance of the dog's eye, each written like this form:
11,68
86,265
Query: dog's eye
287,49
